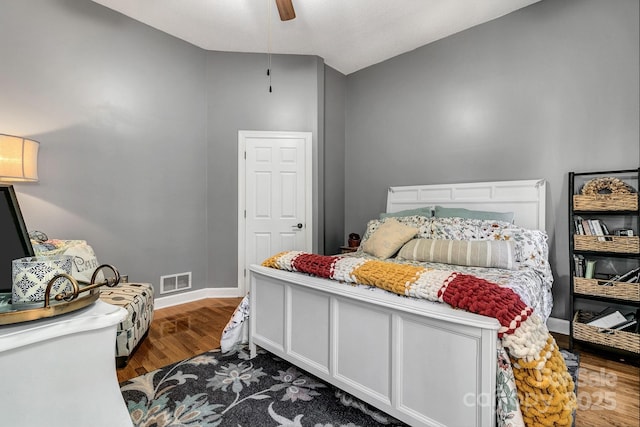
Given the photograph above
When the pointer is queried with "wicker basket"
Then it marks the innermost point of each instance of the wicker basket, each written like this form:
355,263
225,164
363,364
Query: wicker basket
622,244
620,290
606,202
628,341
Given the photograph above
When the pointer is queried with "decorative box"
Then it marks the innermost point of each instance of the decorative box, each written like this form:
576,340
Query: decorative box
31,275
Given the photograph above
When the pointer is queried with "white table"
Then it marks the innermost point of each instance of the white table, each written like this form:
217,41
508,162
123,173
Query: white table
60,372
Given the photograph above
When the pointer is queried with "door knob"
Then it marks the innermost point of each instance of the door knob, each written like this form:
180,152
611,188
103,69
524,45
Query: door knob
298,225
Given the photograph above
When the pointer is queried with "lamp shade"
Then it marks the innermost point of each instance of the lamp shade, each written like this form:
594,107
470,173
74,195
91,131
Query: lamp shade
18,159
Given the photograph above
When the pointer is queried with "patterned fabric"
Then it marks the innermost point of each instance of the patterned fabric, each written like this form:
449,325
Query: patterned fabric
236,331
84,263
31,277
479,253
137,299
531,246
508,412
525,282
214,389
545,388
54,246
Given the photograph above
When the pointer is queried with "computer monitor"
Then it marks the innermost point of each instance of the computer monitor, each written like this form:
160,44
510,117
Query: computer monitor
14,238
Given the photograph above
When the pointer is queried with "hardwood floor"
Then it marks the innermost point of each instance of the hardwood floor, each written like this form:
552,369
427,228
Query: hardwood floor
608,390
179,332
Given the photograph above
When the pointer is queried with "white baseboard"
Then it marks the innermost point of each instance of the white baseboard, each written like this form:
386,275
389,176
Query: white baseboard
196,295
559,326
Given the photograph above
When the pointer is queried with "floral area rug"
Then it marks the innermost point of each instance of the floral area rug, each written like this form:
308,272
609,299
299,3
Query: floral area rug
215,389
572,360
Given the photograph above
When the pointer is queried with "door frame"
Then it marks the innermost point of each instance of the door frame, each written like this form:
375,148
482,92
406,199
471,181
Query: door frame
242,203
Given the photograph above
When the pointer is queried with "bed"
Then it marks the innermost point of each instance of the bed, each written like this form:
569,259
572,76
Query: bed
424,362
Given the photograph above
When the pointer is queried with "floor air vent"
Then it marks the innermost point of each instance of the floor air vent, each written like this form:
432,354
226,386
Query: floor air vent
175,282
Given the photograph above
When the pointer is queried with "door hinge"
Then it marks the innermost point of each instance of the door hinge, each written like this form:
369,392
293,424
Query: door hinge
245,214
245,155
245,272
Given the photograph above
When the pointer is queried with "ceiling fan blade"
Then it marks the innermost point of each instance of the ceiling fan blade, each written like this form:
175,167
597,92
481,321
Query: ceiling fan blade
285,9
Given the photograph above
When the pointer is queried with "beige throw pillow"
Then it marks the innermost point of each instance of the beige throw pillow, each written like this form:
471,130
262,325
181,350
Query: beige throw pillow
478,253
388,238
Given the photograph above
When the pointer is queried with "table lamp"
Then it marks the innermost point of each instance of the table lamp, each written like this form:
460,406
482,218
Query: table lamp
18,159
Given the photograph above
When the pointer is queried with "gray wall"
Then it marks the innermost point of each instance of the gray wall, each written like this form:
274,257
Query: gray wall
139,134
535,94
334,125
239,99
120,112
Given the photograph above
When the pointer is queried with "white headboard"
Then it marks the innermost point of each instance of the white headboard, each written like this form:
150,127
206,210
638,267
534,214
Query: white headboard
526,199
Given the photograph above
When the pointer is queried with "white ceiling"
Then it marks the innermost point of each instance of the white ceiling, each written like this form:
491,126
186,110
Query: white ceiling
348,34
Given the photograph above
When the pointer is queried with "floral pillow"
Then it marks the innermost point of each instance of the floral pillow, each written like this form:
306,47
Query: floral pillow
456,228
532,250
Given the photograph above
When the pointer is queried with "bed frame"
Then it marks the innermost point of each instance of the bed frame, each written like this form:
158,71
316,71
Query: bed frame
421,362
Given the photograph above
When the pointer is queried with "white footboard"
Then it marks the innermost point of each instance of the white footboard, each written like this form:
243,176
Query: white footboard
423,363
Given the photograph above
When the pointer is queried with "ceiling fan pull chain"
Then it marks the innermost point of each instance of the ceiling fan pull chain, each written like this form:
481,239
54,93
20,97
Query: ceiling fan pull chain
269,44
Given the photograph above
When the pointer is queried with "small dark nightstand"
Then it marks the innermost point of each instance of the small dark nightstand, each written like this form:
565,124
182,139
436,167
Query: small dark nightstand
348,249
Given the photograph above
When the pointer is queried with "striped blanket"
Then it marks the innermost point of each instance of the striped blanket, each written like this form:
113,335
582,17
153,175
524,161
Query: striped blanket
545,388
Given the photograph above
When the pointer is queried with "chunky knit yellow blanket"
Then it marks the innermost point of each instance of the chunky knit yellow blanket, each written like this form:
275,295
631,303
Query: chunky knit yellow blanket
545,387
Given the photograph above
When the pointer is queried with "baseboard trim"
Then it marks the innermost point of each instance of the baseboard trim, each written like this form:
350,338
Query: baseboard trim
559,326
196,295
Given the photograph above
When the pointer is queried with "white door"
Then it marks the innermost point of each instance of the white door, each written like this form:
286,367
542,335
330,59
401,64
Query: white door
274,196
